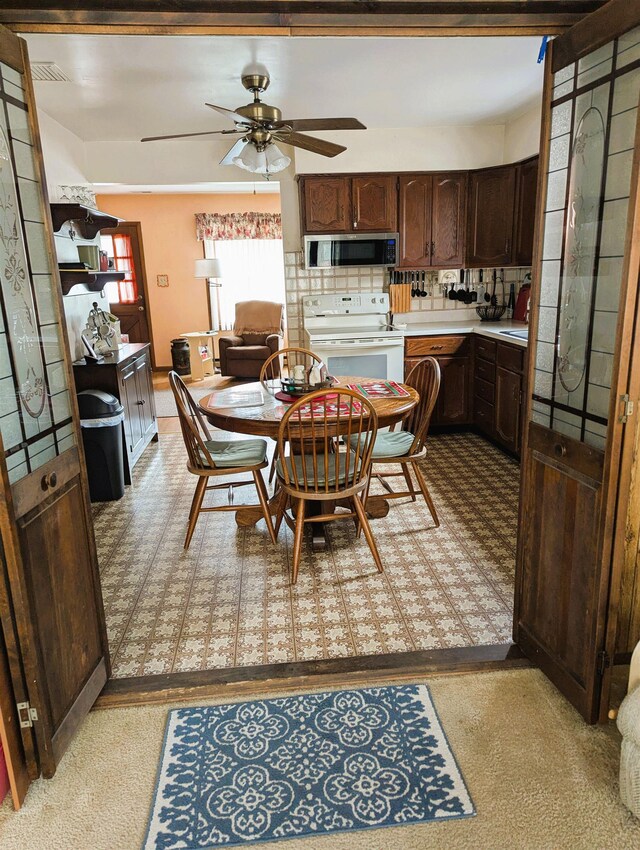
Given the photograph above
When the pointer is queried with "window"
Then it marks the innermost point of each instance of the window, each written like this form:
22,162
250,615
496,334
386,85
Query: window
251,268
120,253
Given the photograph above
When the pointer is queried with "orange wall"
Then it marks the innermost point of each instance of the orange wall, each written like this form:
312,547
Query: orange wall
170,247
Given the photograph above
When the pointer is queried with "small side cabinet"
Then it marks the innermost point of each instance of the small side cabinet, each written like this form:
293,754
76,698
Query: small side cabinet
127,376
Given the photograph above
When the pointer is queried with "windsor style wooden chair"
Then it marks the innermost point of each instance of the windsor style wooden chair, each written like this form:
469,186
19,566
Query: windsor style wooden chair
209,458
406,446
318,473
275,368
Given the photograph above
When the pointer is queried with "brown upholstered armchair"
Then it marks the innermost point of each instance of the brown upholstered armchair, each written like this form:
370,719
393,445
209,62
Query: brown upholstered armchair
257,334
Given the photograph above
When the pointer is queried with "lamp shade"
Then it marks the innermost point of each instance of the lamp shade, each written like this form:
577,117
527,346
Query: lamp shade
206,268
267,161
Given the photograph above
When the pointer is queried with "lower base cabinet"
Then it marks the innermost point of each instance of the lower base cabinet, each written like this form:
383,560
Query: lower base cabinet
481,384
127,376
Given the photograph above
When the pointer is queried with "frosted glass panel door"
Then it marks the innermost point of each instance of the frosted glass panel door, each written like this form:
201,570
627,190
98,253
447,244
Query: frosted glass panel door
594,112
35,414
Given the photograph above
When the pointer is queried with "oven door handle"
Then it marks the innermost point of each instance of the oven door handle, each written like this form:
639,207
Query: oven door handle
358,345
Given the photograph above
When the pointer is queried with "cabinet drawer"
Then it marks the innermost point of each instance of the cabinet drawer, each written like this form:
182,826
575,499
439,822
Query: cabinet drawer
510,357
485,390
486,348
486,371
484,415
425,345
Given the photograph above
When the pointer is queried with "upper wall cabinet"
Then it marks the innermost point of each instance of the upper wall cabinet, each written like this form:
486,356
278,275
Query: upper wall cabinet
492,195
326,206
525,217
341,204
432,208
374,203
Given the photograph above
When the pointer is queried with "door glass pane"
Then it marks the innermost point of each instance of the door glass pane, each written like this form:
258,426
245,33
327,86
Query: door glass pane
593,126
34,393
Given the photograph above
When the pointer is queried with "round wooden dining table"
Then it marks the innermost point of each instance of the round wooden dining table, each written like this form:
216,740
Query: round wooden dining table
264,421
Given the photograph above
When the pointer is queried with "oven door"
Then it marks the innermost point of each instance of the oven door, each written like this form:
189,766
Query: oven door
363,358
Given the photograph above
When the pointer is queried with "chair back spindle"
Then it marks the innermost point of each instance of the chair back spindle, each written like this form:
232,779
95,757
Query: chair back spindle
192,424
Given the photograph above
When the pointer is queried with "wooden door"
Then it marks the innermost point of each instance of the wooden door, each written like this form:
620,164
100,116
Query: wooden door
490,219
525,215
374,203
326,204
53,586
415,220
124,246
448,220
507,408
586,268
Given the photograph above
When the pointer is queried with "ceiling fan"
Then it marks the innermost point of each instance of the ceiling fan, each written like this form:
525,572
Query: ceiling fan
260,126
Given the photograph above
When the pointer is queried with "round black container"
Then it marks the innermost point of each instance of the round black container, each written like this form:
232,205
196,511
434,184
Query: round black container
180,356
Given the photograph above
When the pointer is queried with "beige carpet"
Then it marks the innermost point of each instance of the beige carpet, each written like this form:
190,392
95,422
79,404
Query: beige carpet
539,777
228,601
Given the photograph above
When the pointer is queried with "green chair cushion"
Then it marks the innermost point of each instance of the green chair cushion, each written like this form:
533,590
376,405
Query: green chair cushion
388,444
321,482
229,453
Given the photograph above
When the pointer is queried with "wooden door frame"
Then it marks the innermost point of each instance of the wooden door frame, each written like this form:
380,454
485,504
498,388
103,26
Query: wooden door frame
620,462
137,225
297,18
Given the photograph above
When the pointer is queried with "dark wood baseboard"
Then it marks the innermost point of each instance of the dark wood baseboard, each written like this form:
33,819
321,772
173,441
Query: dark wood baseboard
361,670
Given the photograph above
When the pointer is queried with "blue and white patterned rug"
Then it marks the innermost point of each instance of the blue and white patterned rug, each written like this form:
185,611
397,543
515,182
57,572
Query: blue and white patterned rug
303,765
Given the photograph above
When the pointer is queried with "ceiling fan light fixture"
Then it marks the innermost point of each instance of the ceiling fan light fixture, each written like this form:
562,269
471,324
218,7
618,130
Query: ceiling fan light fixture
264,161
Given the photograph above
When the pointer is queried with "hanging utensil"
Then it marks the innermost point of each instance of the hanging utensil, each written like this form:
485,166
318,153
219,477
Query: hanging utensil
494,299
452,291
487,297
414,290
474,291
423,291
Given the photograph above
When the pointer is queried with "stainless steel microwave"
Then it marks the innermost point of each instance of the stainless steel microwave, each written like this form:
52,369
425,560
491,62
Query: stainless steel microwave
351,249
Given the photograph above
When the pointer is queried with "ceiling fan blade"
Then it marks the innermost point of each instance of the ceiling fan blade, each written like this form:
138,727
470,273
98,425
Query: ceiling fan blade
228,158
322,124
310,143
235,116
187,135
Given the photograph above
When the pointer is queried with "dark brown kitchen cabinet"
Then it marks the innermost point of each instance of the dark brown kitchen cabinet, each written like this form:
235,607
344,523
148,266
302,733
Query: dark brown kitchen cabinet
374,203
525,213
498,396
415,220
508,396
453,405
326,204
431,220
490,217
127,376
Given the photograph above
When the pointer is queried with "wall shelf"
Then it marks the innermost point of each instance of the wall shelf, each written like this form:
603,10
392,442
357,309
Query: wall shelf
89,222
91,281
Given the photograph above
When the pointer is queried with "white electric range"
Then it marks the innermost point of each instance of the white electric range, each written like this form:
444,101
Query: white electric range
350,333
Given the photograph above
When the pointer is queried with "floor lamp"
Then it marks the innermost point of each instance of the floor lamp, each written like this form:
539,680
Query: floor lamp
210,269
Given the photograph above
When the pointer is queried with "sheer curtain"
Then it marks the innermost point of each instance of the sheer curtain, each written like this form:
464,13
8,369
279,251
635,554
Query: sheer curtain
251,268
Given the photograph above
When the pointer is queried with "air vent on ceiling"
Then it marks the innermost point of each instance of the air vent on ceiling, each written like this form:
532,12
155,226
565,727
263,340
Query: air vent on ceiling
48,72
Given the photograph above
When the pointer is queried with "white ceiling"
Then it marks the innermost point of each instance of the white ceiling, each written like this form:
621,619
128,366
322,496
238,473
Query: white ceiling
259,187
126,87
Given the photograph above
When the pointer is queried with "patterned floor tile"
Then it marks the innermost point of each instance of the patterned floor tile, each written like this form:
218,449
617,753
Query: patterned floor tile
228,601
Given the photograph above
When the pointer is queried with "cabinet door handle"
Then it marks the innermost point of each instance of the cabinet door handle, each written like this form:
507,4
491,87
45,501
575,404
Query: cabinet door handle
355,225
433,248
140,401
560,450
436,347
507,246
141,309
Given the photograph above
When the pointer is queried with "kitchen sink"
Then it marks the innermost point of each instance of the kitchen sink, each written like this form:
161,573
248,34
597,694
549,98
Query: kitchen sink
523,334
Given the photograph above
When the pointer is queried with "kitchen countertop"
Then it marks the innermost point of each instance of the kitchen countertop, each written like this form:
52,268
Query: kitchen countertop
472,326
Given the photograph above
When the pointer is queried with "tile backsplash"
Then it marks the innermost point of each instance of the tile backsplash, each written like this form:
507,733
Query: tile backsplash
300,282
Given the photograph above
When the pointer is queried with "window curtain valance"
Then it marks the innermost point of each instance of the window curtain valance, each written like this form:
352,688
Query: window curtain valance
250,225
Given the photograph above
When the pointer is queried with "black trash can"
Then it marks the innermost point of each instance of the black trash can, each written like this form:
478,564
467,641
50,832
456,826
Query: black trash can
101,417
180,356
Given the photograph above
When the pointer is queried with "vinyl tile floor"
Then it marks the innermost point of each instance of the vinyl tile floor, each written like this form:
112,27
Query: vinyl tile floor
228,602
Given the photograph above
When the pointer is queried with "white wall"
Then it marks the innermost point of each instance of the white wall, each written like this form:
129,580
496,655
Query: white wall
414,149
64,155
522,134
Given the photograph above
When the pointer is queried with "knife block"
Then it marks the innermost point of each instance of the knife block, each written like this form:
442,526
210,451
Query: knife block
400,297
